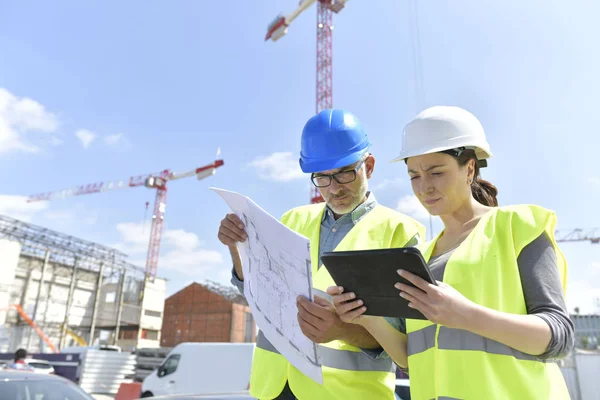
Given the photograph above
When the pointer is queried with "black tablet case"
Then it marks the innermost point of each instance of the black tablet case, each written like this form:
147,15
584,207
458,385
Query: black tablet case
372,274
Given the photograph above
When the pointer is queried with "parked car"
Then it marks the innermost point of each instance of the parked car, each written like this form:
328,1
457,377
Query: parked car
402,389
40,366
83,349
25,385
202,368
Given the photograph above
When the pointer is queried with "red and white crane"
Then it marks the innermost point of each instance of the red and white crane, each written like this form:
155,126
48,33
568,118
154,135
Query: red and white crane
578,235
324,93
156,181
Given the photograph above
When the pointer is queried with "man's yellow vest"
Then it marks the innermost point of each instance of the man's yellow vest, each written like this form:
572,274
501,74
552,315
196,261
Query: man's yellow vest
445,363
347,373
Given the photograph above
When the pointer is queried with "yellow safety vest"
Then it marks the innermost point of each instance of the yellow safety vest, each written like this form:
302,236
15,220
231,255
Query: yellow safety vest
446,363
347,372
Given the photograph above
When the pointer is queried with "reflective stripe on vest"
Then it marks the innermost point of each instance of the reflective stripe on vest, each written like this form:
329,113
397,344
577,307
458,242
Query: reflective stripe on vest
348,373
339,359
458,339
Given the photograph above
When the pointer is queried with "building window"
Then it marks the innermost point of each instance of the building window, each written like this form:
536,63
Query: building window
149,334
110,297
151,313
128,335
248,327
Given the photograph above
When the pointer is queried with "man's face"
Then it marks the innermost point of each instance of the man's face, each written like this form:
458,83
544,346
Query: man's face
343,198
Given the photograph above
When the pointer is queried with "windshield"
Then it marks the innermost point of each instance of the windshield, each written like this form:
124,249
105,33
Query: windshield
41,390
40,365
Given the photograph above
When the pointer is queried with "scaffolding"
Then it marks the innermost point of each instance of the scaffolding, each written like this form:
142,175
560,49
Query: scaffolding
64,249
108,290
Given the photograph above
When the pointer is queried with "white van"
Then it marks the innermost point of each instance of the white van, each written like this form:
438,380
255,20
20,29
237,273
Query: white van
202,368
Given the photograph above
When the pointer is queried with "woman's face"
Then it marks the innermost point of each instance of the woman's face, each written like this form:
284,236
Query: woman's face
439,182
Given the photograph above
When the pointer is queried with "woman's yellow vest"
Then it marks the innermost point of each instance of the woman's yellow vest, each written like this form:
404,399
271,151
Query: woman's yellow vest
348,373
445,363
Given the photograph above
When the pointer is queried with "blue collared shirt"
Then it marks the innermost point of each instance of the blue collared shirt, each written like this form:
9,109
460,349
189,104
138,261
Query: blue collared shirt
333,231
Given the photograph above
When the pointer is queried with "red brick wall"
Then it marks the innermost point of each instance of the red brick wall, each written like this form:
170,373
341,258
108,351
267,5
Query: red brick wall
195,314
238,326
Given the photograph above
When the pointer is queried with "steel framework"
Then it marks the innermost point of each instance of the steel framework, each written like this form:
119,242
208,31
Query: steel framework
63,249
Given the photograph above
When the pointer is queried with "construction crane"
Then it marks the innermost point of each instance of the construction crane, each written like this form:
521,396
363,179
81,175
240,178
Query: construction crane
156,181
324,93
578,235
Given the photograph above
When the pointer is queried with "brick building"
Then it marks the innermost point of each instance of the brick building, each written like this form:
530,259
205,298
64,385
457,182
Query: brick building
207,312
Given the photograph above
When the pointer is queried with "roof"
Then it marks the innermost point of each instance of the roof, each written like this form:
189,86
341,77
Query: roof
230,293
13,375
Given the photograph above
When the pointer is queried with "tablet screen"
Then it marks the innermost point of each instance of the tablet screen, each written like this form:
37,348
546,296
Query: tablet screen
372,274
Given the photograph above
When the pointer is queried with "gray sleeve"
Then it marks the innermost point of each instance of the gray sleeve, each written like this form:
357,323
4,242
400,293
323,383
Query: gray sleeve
544,296
235,281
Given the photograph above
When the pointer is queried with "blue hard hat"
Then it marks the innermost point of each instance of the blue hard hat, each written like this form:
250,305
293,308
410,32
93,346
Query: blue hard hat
332,139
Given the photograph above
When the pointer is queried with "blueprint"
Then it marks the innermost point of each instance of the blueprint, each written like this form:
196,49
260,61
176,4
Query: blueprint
277,269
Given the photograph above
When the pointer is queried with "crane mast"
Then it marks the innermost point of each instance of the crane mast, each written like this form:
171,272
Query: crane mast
324,76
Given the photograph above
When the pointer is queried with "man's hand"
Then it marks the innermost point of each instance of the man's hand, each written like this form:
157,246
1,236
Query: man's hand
319,321
231,231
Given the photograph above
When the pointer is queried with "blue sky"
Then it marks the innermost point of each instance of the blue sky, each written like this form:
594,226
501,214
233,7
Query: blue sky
105,90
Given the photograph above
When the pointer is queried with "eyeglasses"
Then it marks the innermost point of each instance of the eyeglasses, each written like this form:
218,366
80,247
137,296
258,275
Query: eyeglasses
342,177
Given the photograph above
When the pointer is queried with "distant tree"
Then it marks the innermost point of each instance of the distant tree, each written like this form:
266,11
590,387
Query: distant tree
585,342
576,310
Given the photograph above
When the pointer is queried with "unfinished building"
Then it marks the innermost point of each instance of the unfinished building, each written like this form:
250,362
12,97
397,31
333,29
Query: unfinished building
59,291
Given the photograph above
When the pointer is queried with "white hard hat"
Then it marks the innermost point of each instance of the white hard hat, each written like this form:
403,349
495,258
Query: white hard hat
443,128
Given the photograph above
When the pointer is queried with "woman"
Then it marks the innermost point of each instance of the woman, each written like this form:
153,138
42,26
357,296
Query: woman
496,319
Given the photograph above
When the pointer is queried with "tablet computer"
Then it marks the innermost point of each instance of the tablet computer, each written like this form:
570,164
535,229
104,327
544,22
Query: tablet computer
372,274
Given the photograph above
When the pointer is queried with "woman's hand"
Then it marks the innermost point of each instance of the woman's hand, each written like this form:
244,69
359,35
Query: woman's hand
441,304
348,308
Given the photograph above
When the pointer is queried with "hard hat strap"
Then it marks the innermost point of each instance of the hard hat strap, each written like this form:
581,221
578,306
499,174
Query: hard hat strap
457,152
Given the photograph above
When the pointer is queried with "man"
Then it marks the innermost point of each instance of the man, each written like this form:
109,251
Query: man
334,150
19,361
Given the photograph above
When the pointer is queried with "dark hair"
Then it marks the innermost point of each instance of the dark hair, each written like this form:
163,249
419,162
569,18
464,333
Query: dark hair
483,191
20,354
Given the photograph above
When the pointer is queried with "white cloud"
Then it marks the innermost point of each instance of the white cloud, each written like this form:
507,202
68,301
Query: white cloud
182,239
86,137
134,237
190,262
115,139
594,180
278,167
388,183
19,118
17,207
411,206
181,251
74,215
